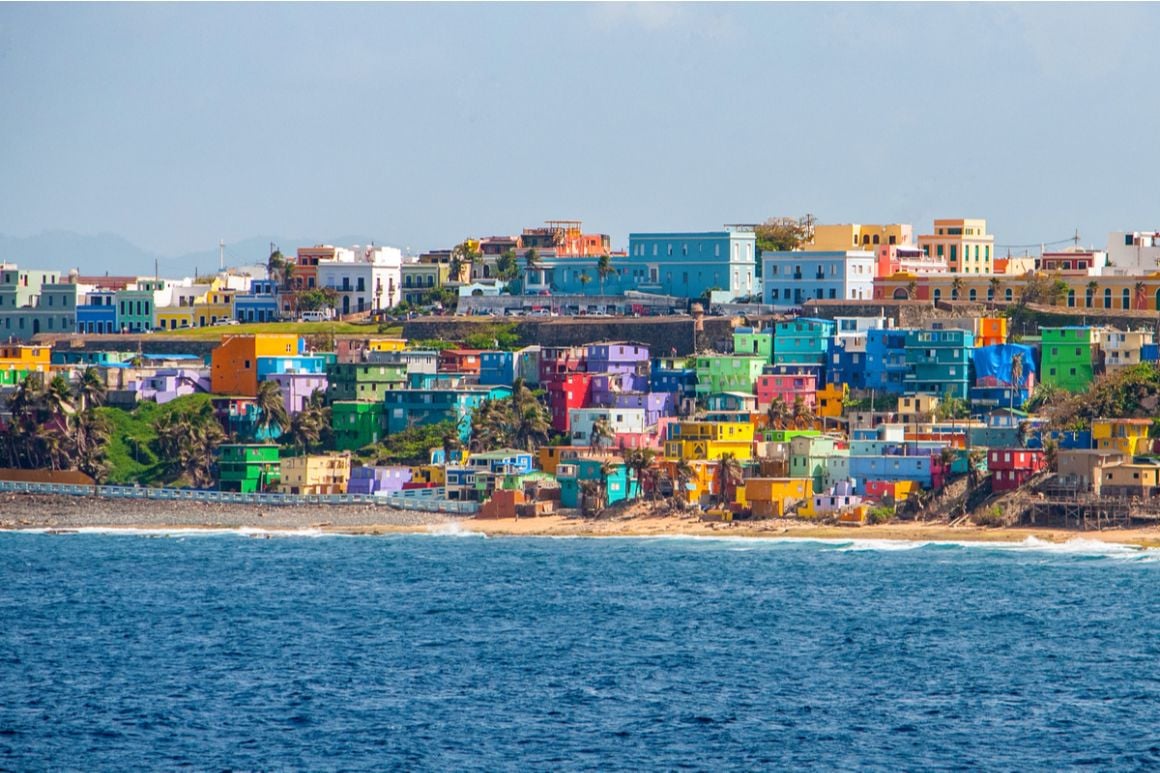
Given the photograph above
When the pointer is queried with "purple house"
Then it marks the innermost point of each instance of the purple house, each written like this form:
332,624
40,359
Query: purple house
297,388
618,357
377,480
654,404
167,384
605,386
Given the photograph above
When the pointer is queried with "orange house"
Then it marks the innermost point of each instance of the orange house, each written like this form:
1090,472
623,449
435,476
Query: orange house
459,360
234,362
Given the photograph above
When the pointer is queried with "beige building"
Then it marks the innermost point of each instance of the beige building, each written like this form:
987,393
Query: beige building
316,474
963,242
856,236
1131,481
1081,469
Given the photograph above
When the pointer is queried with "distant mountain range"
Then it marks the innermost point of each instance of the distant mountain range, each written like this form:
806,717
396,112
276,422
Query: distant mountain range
116,255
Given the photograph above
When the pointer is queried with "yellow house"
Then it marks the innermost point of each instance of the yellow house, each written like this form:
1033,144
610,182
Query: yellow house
429,473
856,236
215,305
35,359
701,485
917,409
774,497
173,317
548,458
963,242
386,344
1128,436
316,474
829,400
710,440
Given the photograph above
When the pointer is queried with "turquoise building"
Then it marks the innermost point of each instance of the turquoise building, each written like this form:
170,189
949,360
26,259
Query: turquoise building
938,362
685,265
802,341
747,340
618,485
418,407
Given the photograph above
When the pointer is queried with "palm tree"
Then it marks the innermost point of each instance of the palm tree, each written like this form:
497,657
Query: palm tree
1138,298
911,289
58,396
531,261
778,412
1092,286
684,474
604,269
956,288
607,467
993,289
639,460
1016,377
271,410
305,429
90,391
584,279
803,413
463,254
730,473
601,434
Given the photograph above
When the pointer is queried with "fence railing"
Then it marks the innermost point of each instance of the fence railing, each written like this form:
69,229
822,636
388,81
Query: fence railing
425,504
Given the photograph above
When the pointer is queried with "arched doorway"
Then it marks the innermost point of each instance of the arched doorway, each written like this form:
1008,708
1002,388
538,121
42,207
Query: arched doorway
900,294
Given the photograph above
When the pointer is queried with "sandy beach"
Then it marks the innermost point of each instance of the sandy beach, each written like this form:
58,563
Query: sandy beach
24,511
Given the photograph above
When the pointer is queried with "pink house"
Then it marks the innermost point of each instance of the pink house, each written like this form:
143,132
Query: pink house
789,388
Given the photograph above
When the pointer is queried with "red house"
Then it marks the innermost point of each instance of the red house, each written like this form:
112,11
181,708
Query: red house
565,392
557,361
1012,467
459,361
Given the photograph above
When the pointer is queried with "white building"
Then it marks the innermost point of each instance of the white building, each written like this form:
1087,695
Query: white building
792,278
1132,254
620,420
366,279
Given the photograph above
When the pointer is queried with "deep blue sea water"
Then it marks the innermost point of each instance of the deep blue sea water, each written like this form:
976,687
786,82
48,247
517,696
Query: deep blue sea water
443,653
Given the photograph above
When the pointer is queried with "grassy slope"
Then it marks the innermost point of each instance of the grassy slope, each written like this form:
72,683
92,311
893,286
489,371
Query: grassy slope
131,458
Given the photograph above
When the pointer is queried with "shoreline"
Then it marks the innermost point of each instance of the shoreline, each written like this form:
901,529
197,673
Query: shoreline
31,512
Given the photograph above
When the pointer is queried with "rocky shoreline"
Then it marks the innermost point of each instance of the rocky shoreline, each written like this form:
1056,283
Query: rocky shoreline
40,511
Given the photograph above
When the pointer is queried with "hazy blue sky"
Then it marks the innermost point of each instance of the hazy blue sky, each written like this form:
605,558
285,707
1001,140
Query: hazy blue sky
174,125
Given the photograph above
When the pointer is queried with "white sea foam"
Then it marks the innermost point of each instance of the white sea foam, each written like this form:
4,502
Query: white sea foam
453,529
186,531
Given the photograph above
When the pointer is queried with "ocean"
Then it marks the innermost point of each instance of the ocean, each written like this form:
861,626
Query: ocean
452,652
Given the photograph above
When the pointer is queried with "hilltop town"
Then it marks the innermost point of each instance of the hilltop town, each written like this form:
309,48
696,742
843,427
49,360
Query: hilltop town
836,373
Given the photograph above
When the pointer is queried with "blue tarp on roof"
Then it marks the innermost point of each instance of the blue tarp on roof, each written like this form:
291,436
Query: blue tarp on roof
993,365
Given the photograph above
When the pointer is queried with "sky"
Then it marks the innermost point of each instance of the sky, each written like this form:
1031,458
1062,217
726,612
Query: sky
176,125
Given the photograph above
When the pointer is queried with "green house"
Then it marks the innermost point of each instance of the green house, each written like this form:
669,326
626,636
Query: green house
727,373
747,340
248,467
357,424
368,381
12,376
1066,359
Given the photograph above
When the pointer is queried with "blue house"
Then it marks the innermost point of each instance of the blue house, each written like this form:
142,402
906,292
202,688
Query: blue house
99,315
497,368
686,265
886,361
618,485
268,366
791,278
260,304
670,374
418,407
938,362
803,342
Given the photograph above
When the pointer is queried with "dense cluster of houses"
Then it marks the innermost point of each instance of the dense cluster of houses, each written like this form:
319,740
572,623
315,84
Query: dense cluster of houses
957,260
767,428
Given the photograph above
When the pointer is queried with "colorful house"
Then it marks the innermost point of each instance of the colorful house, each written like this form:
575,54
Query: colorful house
567,392
709,440
788,387
1012,467
497,368
1120,349
886,361
315,474
369,381
1127,436
830,400
610,472
727,373
753,342
357,423
418,407
938,362
248,467
378,479
234,362
802,341
617,357
1066,357
776,497
459,361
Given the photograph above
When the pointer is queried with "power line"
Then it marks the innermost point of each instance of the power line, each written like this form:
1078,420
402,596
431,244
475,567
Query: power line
1036,244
